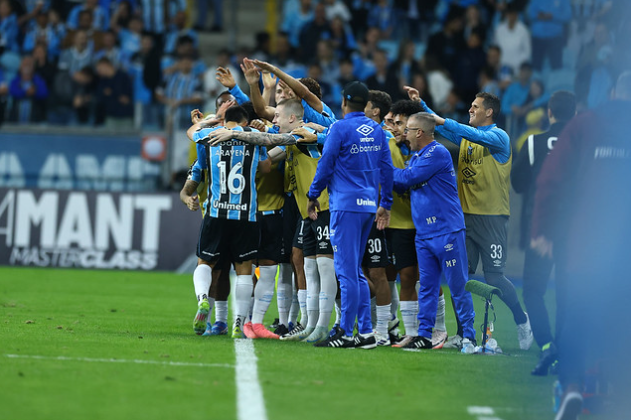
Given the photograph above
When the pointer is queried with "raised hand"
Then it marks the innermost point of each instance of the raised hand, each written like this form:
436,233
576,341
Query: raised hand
305,135
269,81
250,71
222,108
413,93
196,116
258,124
225,77
265,66
218,136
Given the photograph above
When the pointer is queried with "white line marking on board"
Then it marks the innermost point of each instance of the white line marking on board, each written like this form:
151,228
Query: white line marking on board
250,402
134,361
482,413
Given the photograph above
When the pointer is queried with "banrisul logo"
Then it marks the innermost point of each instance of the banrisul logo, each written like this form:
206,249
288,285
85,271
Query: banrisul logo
365,129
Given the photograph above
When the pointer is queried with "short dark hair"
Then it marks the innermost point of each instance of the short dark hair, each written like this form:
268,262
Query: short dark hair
490,101
236,114
380,100
406,107
313,86
562,105
249,109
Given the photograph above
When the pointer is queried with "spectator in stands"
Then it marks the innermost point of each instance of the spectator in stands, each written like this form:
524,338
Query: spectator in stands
181,92
454,107
45,66
28,92
9,30
359,17
295,20
363,58
155,17
113,96
42,31
177,30
312,32
130,37
342,38
447,45
502,73
329,65
57,25
419,82
146,75
285,57
212,87
78,56
202,12
470,63
405,65
414,18
473,23
82,95
513,38
384,79
95,38
438,81
517,92
548,20
110,50
185,47
100,18
381,15
122,15
488,82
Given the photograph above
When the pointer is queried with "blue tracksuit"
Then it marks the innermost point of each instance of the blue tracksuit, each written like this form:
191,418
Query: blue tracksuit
440,234
355,162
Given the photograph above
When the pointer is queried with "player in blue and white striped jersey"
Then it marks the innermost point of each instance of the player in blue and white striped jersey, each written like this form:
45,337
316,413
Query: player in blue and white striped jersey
230,230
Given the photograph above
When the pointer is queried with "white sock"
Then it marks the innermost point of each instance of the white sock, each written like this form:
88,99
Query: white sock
312,276
302,301
202,279
221,311
409,312
294,309
283,293
263,292
243,296
394,301
211,303
383,317
440,314
249,317
338,311
328,290
373,312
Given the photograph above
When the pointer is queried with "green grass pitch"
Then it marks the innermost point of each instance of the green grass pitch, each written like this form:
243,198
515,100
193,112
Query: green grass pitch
92,331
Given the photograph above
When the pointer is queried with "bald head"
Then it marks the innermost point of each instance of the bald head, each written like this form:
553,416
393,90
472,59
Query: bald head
623,86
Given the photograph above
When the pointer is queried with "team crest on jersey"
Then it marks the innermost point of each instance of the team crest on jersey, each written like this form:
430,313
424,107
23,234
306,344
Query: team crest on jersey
470,150
364,129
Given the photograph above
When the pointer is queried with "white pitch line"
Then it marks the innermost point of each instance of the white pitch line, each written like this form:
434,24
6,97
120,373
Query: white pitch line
482,413
250,402
134,361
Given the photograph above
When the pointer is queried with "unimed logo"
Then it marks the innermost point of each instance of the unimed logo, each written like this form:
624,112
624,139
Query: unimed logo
81,229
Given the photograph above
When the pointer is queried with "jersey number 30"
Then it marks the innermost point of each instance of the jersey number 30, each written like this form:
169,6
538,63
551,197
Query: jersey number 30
235,182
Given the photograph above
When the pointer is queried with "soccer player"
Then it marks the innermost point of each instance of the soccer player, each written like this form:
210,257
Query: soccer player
537,269
440,229
483,187
230,230
355,163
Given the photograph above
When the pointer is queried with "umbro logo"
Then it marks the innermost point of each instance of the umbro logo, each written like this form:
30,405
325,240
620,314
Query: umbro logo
364,129
449,247
375,258
468,173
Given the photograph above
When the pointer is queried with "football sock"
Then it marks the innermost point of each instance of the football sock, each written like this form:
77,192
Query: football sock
243,296
312,276
328,290
263,292
383,316
294,309
221,311
338,311
302,301
202,278
283,293
394,301
409,312
211,303
440,314
373,312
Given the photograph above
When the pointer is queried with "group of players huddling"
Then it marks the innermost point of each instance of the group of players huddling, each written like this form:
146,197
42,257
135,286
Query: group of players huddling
255,164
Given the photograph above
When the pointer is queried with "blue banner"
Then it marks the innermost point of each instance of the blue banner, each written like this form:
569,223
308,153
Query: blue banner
78,162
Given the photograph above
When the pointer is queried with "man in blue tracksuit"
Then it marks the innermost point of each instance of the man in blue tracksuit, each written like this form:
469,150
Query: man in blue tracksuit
355,162
440,228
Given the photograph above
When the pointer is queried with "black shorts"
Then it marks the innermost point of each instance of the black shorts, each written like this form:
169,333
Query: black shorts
376,254
291,224
486,240
223,240
317,237
271,238
403,248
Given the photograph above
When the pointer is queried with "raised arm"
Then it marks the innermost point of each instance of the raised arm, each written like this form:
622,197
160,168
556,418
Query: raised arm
299,89
251,74
414,95
260,139
496,140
